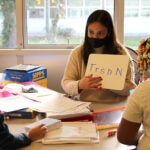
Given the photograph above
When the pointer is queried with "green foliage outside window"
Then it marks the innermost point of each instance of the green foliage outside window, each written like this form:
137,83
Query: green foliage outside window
8,22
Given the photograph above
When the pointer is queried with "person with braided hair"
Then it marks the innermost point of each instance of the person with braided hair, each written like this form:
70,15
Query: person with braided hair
144,59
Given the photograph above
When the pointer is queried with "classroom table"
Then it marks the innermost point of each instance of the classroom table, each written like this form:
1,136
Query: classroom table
106,143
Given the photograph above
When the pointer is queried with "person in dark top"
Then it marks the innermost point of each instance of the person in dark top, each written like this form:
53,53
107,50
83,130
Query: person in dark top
9,141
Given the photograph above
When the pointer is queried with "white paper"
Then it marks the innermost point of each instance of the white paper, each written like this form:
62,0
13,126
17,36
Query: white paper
73,132
49,101
58,103
13,88
41,95
70,114
112,69
13,103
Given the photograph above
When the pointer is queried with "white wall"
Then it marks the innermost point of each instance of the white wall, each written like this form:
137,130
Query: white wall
54,62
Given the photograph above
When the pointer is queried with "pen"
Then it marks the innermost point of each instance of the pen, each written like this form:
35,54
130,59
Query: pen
109,126
42,95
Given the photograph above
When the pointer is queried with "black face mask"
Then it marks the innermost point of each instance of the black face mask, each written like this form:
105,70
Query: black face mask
96,43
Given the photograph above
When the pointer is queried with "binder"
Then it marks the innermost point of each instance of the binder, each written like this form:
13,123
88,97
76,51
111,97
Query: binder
88,117
110,118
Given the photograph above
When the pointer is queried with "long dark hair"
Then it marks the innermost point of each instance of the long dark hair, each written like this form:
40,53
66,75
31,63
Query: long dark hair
103,17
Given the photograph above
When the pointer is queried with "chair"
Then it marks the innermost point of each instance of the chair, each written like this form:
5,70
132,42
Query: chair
134,55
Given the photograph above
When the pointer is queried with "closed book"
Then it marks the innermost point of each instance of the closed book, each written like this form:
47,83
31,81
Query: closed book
26,113
50,123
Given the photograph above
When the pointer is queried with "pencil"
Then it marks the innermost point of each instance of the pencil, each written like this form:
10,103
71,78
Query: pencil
109,126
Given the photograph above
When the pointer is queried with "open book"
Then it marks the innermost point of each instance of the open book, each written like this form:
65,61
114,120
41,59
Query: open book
73,132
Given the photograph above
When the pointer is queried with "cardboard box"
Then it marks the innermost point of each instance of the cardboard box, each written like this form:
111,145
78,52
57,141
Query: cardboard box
38,75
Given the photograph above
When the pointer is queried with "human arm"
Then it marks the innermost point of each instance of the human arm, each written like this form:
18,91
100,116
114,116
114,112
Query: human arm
22,139
74,79
13,141
136,113
128,132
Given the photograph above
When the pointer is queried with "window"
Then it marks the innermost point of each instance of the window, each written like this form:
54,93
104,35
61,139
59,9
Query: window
56,24
8,24
36,13
136,22
46,23
59,23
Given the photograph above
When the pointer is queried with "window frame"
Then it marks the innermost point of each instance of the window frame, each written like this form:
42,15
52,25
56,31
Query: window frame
20,24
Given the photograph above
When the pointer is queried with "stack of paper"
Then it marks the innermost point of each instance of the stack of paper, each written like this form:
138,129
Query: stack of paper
71,114
58,106
40,95
73,132
13,103
54,104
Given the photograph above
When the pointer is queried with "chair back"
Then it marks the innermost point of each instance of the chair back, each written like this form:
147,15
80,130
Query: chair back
134,55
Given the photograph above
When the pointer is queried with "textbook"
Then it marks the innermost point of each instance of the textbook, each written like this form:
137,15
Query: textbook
25,113
106,119
50,123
